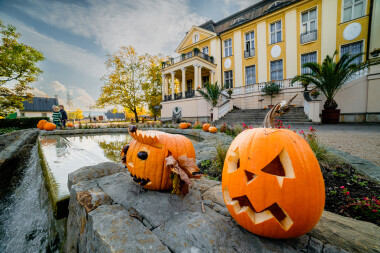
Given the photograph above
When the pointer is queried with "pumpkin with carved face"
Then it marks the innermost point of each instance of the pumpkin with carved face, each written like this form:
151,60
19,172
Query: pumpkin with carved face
145,157
272,183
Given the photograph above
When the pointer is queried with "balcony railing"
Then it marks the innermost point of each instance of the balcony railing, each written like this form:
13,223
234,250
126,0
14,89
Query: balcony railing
177,96
168,97
189,93
184,57
309,36
249,53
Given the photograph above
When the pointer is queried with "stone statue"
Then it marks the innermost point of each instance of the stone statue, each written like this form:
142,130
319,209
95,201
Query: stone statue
177,114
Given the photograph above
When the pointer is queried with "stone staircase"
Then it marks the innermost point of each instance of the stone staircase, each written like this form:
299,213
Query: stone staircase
255,117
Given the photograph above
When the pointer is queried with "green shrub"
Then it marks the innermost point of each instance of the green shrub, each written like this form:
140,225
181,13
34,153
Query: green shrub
21,123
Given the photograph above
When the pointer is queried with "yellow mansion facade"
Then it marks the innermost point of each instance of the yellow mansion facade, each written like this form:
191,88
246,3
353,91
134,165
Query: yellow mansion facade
270,41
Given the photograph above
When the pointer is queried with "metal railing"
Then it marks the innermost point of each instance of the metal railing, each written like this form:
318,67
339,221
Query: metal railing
308,36
189,93
249,53
177,96
168,97
184,57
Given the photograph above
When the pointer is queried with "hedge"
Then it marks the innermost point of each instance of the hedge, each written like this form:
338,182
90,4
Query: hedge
21,122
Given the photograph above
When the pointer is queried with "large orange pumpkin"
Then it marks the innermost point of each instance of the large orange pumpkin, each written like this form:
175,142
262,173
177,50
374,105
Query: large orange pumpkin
70,124
205,127
183,125
41,124
49,126
145,157
272,183
212,129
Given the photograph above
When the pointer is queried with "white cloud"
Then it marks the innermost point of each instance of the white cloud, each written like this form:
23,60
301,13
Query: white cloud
58,87
38,93
83,99
152,26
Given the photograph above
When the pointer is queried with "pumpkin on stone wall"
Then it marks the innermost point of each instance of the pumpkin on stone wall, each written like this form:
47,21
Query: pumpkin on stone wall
70,124
41,123
183,125
160,161
212,129
49,126
272,183
205,127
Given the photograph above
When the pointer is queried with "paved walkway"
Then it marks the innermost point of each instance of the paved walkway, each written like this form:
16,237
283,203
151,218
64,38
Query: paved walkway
358,140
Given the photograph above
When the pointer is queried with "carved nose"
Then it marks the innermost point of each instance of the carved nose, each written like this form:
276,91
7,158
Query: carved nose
142,155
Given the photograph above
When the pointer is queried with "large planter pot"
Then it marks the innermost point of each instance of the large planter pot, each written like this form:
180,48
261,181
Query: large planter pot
330,116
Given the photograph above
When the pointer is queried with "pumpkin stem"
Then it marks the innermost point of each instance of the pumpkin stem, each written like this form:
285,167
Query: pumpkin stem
278,109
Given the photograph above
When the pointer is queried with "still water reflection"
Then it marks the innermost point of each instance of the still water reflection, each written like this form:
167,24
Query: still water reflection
65,154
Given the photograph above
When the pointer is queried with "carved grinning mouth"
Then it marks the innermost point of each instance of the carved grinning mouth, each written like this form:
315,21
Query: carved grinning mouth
242,204
141,181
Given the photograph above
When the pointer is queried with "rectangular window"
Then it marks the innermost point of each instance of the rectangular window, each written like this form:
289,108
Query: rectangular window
309,21
23,114
228,79
44,114
305,58
205,50
205,79
250,75
353,48
275,32
189,85
276,70
249,45
227,47
353,9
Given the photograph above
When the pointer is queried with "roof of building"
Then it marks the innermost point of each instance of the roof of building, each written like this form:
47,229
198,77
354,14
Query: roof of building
118,115
39,104
253,12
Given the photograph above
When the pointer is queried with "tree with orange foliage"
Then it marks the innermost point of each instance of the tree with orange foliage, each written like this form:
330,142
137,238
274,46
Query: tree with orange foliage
126,72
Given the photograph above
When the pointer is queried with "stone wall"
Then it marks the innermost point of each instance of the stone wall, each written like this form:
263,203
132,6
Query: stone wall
113,214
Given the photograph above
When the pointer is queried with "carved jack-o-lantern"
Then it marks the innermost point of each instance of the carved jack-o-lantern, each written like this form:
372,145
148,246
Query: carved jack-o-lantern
146,157
272,183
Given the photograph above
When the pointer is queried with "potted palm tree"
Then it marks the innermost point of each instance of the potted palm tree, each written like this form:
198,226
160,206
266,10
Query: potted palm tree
271,89
329,77
211,93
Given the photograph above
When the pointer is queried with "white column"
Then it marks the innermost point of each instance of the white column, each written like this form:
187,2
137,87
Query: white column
163,87
183,81
261,52
291,44
172,85
212,78
200,76
195,81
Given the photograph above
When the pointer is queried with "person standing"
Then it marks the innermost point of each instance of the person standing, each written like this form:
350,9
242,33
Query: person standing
57,117
63,114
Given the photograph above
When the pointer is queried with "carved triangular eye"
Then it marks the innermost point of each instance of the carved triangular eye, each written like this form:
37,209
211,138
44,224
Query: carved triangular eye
233,161
249,176
281,167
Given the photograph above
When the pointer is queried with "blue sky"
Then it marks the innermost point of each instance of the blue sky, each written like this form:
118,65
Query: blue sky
76,35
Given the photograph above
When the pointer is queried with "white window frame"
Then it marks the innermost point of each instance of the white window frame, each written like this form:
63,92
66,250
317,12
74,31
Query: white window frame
203,48
304,54
232,78
251,41
275,31
308,22
196,38
246,77
363,46
270,65
228,48
352,11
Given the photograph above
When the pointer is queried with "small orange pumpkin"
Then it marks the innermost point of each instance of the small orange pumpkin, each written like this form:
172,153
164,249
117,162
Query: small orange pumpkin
212,129
70,124
183,125
49,126
205,127
188,124
145,157
41,124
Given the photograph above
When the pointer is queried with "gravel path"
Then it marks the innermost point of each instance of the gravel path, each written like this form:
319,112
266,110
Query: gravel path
358,140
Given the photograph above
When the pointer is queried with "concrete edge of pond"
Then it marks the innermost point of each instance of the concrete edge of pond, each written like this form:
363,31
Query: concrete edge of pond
59,205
